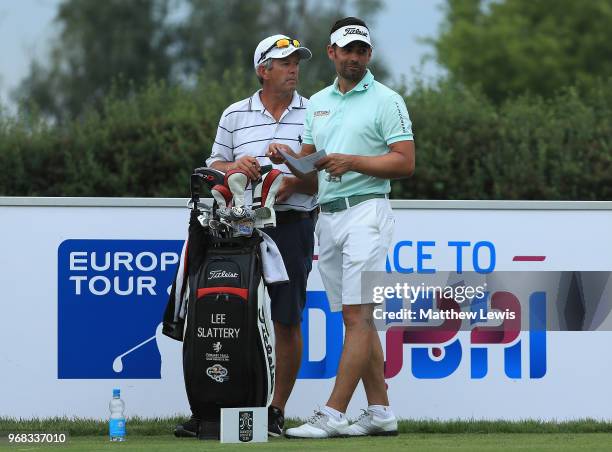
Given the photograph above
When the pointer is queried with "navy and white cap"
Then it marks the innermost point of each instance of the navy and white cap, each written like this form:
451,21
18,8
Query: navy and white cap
303,52
349,33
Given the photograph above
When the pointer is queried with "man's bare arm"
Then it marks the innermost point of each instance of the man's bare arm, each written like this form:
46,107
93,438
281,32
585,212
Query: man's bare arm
247,164
398,163
292,185
308,186
273,153
276,157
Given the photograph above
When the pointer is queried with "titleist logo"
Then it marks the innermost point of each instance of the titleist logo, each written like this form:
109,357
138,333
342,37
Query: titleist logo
216,274
355,31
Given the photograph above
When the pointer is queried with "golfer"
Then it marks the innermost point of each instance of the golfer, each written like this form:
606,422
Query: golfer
365,129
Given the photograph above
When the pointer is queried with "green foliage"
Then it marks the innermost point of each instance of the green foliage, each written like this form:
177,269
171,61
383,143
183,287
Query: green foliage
467,146
145,145
512,47
529,148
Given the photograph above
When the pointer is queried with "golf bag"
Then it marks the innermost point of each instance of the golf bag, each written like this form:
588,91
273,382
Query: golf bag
217,307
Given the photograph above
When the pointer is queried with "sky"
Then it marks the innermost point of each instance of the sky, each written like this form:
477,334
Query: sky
26,28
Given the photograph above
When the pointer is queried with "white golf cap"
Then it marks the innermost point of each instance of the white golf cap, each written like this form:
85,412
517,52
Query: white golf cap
265,50
349,33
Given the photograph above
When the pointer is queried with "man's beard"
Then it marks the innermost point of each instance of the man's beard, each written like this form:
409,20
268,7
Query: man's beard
354,75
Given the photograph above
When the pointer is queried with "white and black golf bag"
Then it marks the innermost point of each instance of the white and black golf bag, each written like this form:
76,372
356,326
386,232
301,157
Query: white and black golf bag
218,308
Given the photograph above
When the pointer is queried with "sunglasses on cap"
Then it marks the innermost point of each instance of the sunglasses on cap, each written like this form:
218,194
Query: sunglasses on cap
280,44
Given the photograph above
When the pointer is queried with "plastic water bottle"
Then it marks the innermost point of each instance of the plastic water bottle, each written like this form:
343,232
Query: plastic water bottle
116,424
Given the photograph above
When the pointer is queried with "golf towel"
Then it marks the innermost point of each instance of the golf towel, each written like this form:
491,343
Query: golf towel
274,271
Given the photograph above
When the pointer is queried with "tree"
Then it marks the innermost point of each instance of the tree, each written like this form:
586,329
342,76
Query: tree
219,33
117,45
101,46
510,47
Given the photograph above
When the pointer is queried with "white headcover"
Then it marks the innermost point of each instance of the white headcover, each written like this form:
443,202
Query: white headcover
222,195
237,182
271,182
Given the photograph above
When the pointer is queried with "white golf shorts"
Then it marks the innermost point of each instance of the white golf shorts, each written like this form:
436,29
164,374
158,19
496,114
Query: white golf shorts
350,242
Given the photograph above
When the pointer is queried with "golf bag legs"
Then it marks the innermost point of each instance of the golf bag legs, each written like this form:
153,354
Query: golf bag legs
209,430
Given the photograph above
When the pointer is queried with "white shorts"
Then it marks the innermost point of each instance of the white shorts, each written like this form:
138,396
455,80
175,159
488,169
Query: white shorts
350,242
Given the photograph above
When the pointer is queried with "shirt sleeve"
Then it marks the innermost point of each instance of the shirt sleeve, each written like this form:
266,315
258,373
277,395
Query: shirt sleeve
395,122
223,147
307,135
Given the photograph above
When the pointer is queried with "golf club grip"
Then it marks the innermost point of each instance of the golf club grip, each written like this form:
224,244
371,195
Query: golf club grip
195,185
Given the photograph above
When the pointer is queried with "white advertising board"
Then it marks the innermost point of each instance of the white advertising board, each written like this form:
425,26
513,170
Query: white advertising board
84,283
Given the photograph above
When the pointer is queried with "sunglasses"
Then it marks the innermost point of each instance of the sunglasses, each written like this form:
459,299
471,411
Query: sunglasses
280,44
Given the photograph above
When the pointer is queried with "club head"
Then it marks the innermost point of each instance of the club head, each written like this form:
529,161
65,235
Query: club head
223,212
201,206
213,224
236,214
226,223
262,213
210,176
203,219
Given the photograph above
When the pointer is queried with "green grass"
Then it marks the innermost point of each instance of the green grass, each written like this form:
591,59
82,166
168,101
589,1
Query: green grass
89,427
416,435
413,442
162,426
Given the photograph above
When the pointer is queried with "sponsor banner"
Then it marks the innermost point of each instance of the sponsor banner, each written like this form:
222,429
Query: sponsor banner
83,297
111,296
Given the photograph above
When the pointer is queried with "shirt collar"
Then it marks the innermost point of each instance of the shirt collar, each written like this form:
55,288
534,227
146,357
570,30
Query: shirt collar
256,104
364,84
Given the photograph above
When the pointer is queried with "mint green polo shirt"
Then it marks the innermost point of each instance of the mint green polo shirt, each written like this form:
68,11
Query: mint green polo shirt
363,121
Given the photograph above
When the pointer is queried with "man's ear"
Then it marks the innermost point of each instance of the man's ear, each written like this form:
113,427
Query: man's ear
330,51
261,70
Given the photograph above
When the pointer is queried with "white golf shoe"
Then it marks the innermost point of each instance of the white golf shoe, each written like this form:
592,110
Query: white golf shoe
369,424
319,426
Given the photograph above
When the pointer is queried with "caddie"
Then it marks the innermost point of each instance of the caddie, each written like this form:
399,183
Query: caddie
275,113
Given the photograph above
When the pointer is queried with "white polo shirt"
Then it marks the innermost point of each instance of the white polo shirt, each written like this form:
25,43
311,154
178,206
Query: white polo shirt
247,128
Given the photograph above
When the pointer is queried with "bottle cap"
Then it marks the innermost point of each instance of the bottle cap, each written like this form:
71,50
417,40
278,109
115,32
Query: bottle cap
116,392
